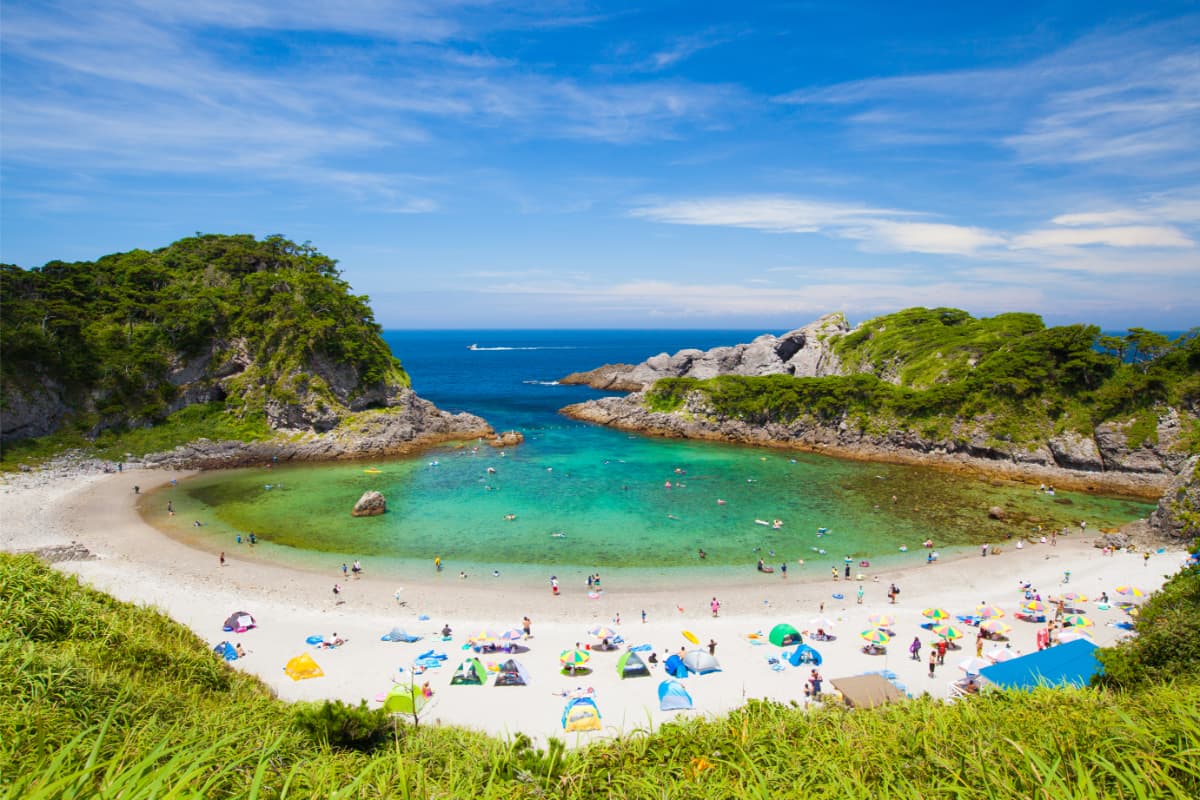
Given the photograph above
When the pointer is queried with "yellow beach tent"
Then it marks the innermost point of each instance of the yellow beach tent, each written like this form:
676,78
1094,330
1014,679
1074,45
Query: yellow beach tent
303,666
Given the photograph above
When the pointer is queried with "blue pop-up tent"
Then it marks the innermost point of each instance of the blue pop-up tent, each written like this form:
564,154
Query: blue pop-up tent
1071,663
672,696
804,654
675,666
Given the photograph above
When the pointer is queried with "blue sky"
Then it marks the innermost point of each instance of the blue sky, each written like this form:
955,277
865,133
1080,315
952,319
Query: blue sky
575,164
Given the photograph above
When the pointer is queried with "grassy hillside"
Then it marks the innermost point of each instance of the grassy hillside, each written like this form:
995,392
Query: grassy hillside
930,370
240,322
104,700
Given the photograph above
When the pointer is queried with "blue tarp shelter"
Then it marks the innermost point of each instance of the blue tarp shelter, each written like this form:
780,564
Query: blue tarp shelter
804,655
226,651
1071,663
672,696
675,666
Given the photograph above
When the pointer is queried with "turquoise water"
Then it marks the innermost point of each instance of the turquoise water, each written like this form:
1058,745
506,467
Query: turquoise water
590,497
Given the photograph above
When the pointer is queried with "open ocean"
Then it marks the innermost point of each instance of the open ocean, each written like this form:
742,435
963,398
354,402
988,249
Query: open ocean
588,497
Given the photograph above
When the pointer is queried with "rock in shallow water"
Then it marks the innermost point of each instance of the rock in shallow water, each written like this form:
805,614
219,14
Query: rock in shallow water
371,504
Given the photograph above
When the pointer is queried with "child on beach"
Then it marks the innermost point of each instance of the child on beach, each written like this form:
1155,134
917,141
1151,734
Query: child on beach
932,662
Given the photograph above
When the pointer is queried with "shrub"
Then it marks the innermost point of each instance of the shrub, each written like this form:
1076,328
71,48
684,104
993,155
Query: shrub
345,727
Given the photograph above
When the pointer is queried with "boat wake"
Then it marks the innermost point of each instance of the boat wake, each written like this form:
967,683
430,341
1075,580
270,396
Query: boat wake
539,347
541,383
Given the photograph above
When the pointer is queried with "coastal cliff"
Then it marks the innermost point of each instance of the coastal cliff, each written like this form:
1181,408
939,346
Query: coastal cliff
1005,396
259,345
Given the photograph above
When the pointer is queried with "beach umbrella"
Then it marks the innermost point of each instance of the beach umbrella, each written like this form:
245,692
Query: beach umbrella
820,623
881,620
691,637
1072,635
936,614
947,631
988,612
601,632
483,636
1034,607
512,635
1075,597
1078,621
1132,591
574,657
999,654
994,626
875,636
972,665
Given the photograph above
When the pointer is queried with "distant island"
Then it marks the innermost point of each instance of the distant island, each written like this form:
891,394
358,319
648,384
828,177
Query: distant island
1003,395
216,350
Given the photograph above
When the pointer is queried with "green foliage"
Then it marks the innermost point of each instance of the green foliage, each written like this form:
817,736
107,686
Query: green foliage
110,332
106,700
925,370
343,726
1167,644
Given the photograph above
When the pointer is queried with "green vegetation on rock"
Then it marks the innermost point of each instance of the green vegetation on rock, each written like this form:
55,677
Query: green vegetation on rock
123,342
929,371
103,699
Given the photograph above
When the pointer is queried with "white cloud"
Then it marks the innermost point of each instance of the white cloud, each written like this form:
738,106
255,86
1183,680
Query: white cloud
923,237
1120,236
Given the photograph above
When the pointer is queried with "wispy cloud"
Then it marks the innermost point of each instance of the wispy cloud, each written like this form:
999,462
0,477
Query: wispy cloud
1119,236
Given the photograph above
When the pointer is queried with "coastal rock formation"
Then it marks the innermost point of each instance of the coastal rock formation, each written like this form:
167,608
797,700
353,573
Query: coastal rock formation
996,512
410,424
1178,513
507,439
371,504
804,353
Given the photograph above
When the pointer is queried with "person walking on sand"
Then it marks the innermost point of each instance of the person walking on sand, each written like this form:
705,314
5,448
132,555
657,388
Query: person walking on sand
979,645
940,650
222,558
712,647
526,625
932,662
860,594
915,648
715,606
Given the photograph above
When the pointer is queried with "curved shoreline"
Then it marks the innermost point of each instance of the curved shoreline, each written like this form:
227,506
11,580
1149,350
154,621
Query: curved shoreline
134,562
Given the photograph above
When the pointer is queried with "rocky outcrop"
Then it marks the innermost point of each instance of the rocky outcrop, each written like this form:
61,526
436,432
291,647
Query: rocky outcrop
506,439
410,424
371,504
1178,513
968,448
35,409
805,353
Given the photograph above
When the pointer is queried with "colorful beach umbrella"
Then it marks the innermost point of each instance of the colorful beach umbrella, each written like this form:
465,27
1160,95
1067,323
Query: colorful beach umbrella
1078,621
948,631
999,654
1075,597
1132,591
512,635
972,665
821,623
881,620
988,612
574,657
994,626
875,636
936,614
601,632
1034,607
483,636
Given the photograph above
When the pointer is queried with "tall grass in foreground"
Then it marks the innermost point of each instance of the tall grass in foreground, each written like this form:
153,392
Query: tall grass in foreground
104,700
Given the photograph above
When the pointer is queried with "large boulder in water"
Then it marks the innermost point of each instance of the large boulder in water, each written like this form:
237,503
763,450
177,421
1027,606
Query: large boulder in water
371,504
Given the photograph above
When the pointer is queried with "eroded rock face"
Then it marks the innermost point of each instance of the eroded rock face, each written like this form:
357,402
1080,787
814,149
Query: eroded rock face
1179,507
805,352
371,504
507,439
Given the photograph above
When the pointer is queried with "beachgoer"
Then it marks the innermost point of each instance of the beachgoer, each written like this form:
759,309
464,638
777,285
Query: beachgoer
553,585
525,627
915,648
1104,597
446,631
120,467
715,606
932,662
240,652
617,618
1146,558
643,616
589,581
426,690
222,558
437,563
703,555
653,659
253,539
239,538
860,594
462,575
815,679
983,550
979,645
760,565
170,508
847,575
137,489
783,569
712,647
357,568
940,649
345,571
336,590
834,571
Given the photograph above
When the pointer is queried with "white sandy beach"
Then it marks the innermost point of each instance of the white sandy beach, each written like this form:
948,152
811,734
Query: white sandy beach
137,563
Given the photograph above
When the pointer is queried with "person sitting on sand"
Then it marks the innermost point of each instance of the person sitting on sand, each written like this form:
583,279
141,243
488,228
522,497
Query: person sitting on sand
446,631
240,652
426,690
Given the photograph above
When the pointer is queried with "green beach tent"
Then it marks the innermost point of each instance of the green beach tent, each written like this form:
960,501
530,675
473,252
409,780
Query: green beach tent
630,665
404,699
470,672
783,634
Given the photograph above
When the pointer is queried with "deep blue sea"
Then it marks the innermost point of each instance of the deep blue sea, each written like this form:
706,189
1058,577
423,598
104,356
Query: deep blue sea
577,496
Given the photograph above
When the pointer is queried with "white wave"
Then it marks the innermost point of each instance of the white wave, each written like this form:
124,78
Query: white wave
541,383
545,347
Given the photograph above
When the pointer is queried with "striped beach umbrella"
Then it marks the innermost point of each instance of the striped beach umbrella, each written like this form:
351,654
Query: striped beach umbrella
1078,621
995,626
947,631
1131,591
988,612
1034,607
875,636
601,632
575,657
1071,634
513,635
936,614
881,620
1075,597
483,636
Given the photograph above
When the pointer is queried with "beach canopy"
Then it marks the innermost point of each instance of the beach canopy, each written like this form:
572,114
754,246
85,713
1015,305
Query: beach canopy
630,665
675,666
1071,663
470,672
302,667
512,674
672,696
398,634
867,691
581,714
239,622
701,662
404,699
226,651
784,634
804,654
